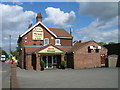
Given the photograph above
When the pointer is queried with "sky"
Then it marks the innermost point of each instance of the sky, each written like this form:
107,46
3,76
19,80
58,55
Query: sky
89,20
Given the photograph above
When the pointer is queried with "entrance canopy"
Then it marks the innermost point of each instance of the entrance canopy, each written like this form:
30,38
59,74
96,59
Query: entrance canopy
50,49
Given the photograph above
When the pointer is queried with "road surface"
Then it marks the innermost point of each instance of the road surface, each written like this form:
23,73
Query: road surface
5,72
69,78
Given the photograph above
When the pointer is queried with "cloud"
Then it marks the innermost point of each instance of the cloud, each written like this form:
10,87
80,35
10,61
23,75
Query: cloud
104,11
14,21
57,17
97,33
104,27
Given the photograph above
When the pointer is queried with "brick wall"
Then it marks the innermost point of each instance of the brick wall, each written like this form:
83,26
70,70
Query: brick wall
83,59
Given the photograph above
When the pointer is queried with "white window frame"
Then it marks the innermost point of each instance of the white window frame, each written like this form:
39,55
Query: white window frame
56,42
44,41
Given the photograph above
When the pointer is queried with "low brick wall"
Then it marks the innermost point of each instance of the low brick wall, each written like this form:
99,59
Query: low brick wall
13,78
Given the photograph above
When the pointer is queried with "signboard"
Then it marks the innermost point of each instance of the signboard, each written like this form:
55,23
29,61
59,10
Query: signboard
37,33
50,49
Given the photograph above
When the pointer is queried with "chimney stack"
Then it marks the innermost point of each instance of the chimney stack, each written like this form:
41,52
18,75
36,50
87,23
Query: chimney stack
30,25
39,17
71,31
80,41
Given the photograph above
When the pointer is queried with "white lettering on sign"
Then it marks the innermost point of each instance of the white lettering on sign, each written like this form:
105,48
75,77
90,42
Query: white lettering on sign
37,33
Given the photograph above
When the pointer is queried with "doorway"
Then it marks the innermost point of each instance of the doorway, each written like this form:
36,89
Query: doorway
103,59
50,61
34,61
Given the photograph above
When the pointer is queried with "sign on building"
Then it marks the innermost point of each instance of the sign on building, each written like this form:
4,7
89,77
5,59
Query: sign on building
37,33
50,49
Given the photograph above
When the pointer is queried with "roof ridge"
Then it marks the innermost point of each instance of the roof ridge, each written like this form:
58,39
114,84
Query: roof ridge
59,28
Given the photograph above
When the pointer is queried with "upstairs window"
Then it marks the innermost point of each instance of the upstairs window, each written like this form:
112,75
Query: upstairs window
97,50
57,42
46,41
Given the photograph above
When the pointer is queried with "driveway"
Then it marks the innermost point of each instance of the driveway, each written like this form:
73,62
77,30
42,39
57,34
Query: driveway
69,78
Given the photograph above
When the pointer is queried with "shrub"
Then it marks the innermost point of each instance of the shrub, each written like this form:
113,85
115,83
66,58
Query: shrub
42,64
63,64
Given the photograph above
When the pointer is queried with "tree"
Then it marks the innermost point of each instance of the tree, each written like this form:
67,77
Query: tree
3,52
16,53
102,43
111,43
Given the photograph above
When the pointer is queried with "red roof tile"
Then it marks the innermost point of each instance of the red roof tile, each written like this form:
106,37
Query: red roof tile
60,32
79,45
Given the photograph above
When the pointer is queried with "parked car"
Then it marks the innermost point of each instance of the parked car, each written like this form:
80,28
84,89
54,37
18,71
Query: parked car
3,58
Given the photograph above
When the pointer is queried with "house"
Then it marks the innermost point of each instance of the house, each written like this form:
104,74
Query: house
55,44
42,43
86,55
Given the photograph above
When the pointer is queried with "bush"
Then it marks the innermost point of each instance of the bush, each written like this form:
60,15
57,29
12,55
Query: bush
42,64
63,64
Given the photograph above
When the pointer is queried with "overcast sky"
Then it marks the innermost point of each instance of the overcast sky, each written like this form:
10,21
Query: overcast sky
89,20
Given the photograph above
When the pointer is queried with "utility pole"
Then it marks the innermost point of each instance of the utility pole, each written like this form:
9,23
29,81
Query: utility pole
10,46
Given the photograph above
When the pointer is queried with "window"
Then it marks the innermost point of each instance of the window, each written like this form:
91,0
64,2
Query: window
97,50
57,42
89,50
54,59
46,41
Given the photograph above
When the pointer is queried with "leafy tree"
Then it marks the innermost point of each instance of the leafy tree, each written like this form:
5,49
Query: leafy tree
102,43
16,53
111,43
2,52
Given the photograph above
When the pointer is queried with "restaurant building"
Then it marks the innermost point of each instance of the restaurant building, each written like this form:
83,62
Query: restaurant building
55,44
42,43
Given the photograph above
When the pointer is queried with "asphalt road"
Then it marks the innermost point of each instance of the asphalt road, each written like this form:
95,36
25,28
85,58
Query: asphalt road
5,72
69,78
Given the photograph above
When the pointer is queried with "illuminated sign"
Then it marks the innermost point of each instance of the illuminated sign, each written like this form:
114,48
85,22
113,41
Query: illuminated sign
37,33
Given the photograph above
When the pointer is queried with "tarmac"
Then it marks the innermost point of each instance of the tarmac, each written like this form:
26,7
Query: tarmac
68,78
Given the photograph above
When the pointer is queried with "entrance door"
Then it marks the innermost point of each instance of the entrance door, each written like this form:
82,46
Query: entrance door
48,61
103,59
45,60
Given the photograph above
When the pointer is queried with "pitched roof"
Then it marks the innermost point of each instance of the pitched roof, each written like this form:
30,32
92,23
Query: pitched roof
39,22
76,46
80,45
60,32
65,48
57,33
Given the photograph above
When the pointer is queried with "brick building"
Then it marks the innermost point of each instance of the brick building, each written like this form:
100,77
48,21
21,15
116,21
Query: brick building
86,55
42,43
53,45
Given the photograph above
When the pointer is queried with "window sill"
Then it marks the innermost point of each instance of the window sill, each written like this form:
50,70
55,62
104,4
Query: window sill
58,44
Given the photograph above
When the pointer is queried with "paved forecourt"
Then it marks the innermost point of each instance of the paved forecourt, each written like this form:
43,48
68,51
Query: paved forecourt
69,78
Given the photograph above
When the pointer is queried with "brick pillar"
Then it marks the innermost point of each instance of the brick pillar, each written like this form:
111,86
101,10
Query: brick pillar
27,59
29,62
37,62
22,58
62,56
